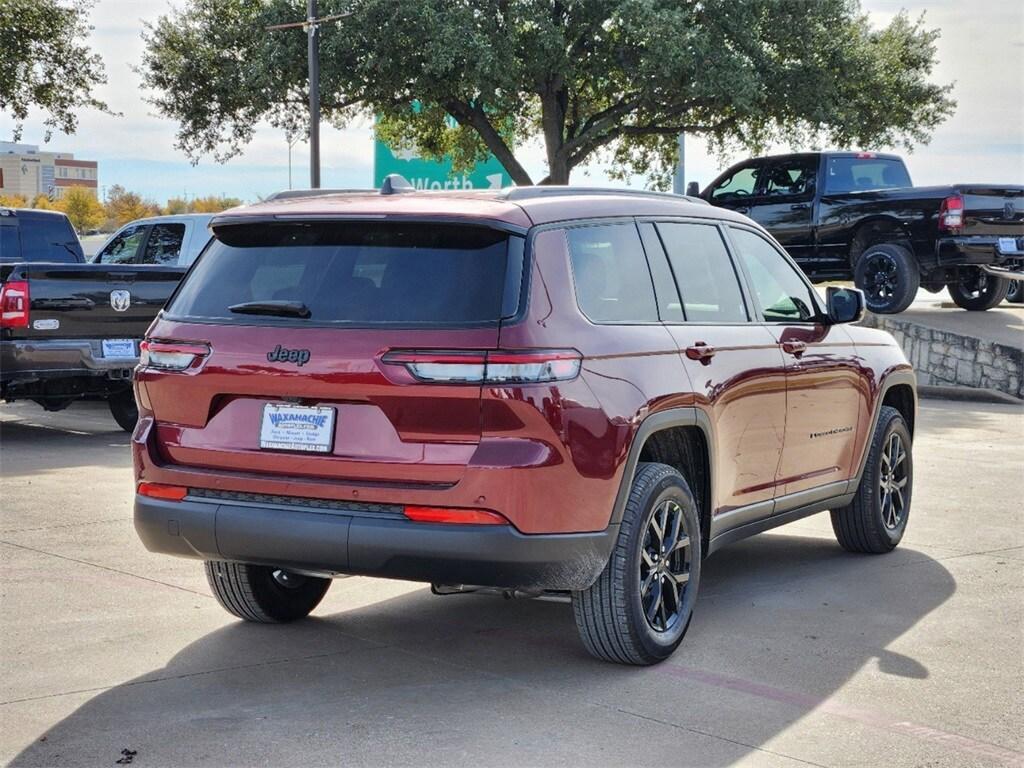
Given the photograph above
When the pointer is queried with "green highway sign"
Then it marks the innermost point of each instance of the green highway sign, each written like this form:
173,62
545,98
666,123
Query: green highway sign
429,174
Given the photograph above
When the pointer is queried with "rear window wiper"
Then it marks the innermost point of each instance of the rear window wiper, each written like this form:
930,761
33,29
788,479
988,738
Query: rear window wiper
278,308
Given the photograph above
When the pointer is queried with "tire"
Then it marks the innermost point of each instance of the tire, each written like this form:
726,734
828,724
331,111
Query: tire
612,614
255,593
1015,295
123,409
977,291
889,277
868,524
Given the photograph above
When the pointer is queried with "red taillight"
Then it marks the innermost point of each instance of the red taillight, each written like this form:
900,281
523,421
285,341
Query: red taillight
454,515
487,367
951,214
14,304
167,355
161,491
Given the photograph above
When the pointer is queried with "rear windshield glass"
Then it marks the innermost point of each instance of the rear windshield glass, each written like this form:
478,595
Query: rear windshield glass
350,272
44,237
856,174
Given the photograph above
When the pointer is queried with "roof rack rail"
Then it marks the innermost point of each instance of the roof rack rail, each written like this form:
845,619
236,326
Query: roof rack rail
292,194
559,190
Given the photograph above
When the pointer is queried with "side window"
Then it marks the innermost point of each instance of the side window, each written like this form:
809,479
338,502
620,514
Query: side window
164,244
791,178
704,272
613,283
783,294
124,247
742,183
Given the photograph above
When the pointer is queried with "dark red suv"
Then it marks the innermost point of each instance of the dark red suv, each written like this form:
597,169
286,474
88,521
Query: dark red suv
541,390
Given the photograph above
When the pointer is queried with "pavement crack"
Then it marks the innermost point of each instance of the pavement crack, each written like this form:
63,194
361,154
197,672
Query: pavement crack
105,568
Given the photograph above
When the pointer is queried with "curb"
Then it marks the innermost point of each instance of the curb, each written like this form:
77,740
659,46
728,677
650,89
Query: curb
967,394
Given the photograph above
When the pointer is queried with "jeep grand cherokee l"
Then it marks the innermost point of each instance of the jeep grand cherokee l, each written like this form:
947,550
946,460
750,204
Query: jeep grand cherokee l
540,390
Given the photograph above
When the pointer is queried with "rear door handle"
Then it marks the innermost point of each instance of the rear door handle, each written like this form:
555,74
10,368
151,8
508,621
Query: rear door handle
799,206
700,351
744,211
795,348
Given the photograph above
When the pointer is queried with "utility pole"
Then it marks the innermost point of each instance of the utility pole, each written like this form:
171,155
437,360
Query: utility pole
312,30
679,177
312,27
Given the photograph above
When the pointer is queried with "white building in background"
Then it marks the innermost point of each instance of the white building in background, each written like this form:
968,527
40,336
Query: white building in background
27,172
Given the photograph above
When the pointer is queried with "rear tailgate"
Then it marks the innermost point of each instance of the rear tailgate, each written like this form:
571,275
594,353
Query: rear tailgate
86,301
993,211
368,288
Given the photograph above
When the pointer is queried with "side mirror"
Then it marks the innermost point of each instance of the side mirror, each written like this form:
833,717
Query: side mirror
693,189
845,305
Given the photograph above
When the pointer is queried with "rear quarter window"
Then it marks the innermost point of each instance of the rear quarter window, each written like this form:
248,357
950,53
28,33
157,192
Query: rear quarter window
610,272
367,274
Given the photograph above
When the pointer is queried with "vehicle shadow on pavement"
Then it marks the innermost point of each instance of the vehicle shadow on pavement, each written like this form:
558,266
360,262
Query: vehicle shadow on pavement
29,446
782,624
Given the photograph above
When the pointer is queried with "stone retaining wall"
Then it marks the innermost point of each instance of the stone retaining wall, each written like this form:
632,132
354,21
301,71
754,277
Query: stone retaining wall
943,358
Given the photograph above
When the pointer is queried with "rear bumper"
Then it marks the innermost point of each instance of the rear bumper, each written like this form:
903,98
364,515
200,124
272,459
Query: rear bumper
979,251
30,360
339,542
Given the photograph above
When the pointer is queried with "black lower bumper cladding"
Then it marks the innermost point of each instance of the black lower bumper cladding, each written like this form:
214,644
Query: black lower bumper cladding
335,540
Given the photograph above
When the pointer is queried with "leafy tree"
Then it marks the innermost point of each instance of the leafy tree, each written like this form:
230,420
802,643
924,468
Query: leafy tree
13,201
175,207
616,79
123,206
213,204
42,202
46,62
81,206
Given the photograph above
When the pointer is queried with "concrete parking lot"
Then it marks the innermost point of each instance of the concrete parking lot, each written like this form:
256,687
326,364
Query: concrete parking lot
799,654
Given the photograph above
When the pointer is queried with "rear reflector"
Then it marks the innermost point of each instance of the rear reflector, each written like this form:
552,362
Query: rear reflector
14,304
172,355
487,367
161,491
453,515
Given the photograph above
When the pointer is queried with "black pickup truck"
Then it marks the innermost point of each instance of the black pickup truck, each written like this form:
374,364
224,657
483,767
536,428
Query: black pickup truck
856,215
68,329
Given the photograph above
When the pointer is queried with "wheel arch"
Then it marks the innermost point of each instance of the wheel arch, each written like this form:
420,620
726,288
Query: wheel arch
898,388
683,439
876,231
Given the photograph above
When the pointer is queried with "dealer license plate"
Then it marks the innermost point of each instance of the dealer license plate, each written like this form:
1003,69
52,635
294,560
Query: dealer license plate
119,348
1009,245
297,428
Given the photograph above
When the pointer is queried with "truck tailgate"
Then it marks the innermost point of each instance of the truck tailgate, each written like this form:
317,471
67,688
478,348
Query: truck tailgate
993,211
89,301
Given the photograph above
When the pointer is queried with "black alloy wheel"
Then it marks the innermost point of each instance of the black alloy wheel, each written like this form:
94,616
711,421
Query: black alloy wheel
664,566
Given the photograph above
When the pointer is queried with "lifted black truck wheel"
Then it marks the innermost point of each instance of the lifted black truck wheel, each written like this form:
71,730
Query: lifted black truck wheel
263,594
976,291
1015,294
889,277
640,606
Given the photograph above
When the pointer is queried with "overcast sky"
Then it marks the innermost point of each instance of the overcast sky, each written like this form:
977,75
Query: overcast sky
981,52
